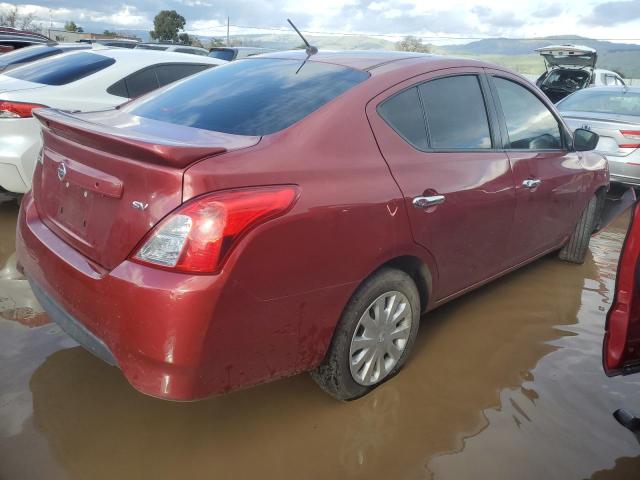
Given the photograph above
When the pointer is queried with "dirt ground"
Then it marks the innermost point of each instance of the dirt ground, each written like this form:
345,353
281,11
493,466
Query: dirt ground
504,383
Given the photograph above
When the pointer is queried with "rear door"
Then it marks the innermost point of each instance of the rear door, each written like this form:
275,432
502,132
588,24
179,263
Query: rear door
621,353
547,174
438,135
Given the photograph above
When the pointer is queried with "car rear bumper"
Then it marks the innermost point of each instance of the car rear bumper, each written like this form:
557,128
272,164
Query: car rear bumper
152,324
175,336
624,170
19,146
73,327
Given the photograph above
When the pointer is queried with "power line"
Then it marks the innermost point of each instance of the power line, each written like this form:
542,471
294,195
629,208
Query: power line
438,37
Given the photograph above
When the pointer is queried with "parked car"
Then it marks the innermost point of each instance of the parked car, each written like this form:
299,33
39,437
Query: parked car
236,53
614,114
569,68
621,352
76,81
37,52
172,47
14,39
273,216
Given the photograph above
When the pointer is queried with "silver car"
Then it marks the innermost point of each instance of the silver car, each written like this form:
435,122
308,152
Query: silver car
614,114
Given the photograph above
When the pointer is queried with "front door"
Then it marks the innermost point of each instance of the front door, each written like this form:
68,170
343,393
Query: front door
547,174
438,134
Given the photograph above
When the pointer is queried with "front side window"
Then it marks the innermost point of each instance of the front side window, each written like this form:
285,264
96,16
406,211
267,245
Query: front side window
456,113
222,54
249,97
530,124
62,69
403,113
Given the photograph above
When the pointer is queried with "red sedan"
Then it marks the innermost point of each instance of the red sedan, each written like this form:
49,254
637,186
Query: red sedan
274,216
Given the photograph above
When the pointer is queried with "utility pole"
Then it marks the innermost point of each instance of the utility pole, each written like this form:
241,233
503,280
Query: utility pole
228,44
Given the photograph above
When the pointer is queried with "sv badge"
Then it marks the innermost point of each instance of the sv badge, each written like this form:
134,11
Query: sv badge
139,205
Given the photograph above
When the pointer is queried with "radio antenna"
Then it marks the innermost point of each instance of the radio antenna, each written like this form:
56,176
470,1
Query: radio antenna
311,50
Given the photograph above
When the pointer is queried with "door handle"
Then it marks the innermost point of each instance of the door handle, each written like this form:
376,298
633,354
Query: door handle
531,182
425,202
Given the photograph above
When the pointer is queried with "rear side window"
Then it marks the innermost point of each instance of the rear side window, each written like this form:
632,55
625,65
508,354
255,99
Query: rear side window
142,82
249,97
403,113
62,69
530,124
170,73
222,54
456,113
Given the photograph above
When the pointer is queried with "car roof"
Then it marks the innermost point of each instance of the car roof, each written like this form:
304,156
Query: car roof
147,56
367,60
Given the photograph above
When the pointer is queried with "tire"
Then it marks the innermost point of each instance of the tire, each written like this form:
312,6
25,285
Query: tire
575,250
348,371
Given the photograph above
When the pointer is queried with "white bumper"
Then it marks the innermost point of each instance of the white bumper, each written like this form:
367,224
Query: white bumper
20,144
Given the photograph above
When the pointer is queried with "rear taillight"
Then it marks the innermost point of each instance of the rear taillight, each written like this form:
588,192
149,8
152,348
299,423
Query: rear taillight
17,109
633,135
199,236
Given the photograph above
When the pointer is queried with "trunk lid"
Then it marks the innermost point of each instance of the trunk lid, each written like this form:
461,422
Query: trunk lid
105,179
568,56
609,127
621,352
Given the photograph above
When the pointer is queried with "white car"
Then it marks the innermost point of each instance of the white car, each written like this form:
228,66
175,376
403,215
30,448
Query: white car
78,81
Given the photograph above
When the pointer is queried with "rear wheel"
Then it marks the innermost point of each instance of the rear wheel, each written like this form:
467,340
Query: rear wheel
575,250
374,336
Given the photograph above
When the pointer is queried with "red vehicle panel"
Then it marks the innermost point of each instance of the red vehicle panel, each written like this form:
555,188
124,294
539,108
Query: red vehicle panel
204,261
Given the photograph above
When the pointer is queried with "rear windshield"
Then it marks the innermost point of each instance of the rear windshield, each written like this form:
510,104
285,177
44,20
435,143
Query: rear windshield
222,54
617,102
28,54
62,69
249,97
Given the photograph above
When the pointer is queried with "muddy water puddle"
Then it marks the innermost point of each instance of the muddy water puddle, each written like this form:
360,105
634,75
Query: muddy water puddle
505,383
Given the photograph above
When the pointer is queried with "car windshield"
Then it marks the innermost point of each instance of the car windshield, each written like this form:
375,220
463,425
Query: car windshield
249,97
567,79
151,47
62,69
617,101
28,54
222,54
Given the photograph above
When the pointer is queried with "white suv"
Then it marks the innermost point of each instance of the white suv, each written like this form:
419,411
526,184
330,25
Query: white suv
85,80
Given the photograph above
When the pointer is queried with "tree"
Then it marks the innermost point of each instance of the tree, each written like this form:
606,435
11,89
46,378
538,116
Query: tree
412,44
12,18
184,38
166,25
110,33
72,27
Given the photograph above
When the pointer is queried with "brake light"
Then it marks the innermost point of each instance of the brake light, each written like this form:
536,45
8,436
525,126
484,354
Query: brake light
198,237
631,135
17,109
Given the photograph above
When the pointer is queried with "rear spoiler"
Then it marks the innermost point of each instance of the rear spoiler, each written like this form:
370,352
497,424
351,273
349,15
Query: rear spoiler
137,144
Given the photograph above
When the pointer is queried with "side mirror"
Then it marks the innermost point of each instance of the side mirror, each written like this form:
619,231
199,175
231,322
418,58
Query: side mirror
584,140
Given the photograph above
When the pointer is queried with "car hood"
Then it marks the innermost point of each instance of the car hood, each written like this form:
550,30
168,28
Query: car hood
568,56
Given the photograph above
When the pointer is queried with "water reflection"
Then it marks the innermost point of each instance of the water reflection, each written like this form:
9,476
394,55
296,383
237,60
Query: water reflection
504,383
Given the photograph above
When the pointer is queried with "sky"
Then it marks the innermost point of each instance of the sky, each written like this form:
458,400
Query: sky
435,21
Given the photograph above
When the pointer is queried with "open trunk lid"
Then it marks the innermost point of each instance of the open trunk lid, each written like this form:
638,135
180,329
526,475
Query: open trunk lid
105,179
568,56
621,352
